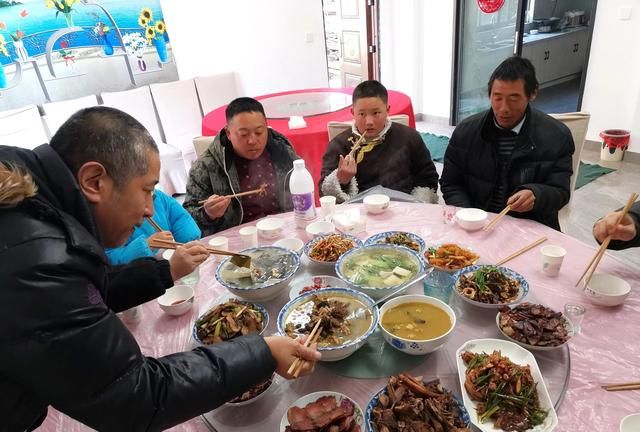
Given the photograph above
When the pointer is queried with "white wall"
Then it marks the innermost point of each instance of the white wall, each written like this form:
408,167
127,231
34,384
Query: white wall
416,48
264,41
612,89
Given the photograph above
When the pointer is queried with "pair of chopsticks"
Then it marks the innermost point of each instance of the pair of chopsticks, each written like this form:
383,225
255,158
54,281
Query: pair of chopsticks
238,259
521,251
298,363
593,264
495,220
622,386
260,190
154,224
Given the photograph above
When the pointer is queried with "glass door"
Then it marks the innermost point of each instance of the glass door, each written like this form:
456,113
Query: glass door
487,33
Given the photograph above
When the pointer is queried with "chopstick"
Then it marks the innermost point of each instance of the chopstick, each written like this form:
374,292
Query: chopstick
593,264
495,220
166,244
154,224
521,251
356,146
622,386
261,189
296,366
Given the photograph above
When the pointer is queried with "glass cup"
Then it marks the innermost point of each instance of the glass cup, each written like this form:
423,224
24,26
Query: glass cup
439,284
249,237
575,313
327,206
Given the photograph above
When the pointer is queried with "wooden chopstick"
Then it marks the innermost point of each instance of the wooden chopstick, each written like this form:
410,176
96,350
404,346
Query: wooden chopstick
622,386
298,362
521,251
593,264
495,220
296,373
261,189
166,244
154,224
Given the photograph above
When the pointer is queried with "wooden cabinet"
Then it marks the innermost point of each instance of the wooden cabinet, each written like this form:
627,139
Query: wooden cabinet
557,56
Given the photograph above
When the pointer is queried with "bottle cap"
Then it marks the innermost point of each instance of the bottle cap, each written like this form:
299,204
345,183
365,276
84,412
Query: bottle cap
298,163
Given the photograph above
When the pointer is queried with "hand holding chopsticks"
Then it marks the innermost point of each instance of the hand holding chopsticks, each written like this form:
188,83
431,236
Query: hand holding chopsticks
298,363
261,190
593,264
495,220
238,259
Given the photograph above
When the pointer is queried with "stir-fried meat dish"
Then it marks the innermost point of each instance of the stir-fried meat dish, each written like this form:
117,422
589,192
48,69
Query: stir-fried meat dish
330,248
323,415
317,284
253,391
229,320
506,392
410,405
534,324
488,285
402,239
334,325
451,257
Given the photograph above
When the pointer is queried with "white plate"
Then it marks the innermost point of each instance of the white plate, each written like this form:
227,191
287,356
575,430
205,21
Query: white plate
442,269
567,325
298,284
517,355
358,416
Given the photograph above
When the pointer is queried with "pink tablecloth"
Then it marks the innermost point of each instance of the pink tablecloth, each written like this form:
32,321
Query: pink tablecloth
603,352
311,141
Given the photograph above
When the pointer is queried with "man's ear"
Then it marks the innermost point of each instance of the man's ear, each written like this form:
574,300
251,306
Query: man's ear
94,181
534,95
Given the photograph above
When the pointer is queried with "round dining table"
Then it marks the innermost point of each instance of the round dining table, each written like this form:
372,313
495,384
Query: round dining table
318,107
604,351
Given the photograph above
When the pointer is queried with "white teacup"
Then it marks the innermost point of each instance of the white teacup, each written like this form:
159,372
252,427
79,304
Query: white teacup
552,257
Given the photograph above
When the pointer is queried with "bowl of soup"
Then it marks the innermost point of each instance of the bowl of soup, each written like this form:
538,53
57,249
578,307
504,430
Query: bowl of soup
347,318
416,324
377,269
270,271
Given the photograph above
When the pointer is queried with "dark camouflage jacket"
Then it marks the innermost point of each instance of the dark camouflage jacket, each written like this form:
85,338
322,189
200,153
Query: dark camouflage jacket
215,174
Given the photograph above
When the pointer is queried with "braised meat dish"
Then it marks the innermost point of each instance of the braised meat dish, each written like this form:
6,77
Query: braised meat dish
323,415
490,285
534,324
229,320
333,326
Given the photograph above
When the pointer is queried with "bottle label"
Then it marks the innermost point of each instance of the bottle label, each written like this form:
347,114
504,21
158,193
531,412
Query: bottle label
303,206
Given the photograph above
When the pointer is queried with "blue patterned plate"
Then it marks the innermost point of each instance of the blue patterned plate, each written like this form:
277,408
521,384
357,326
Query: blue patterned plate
522,291
311,243
381,238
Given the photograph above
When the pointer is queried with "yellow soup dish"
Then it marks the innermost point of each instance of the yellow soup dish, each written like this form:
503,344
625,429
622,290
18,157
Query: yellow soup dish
416,321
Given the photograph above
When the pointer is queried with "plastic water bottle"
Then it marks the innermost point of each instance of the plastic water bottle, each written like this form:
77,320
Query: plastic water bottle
302,188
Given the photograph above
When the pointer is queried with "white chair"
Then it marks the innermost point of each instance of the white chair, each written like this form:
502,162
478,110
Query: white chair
22,127
139,104
217,90
180,116
202,143
335,128
577,122
57,113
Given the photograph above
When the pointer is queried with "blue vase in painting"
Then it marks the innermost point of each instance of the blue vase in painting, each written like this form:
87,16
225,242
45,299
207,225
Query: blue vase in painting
107,48
3,77
161,48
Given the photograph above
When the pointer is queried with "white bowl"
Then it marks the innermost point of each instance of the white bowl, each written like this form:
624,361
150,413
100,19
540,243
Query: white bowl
176,300
607,290
292,243
630,423
270,228
411,346
319,228
376,203
322,281
471,219
275,382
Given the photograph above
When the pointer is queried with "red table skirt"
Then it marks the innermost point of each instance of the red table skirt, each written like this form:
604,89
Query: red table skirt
311,142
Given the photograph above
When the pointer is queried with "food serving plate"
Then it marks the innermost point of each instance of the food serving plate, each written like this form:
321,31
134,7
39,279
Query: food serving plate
311,243
517,355
380,239
446,270
302,402
320,281
567,325
523,289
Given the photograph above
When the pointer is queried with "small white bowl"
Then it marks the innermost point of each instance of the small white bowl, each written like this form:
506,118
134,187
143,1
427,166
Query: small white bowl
411,346
270,228
292,243
176,300
471,219
376,203
607,290
319,228
630,423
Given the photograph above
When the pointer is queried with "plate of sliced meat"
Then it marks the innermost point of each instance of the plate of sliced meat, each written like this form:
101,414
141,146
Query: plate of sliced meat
323,411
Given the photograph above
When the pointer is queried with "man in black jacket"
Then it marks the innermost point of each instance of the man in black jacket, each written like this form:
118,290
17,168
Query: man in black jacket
61,343
625,234
511,154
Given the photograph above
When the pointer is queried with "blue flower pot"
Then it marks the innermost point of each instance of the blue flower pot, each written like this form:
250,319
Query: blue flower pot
3,77
107,48
161,48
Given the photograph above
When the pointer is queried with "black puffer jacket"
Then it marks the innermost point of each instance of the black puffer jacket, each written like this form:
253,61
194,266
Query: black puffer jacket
61,343
540,162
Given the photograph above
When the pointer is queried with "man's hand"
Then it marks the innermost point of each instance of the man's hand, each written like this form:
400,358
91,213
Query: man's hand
162,235
285,351
522,201
624,231
347,168
186,258
216,206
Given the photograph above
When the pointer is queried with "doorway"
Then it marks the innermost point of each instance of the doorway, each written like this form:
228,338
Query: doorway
554,34
351,38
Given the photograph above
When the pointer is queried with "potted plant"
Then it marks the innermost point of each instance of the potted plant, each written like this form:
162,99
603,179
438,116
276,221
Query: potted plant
100,29
62,6
135,45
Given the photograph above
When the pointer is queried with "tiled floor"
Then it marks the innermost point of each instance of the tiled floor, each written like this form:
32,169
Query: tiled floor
593,200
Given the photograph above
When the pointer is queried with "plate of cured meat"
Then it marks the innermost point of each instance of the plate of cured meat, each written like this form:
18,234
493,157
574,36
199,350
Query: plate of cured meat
323,411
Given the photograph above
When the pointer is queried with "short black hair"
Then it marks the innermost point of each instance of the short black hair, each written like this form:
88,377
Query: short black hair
371,88
108,136
513,69
242,105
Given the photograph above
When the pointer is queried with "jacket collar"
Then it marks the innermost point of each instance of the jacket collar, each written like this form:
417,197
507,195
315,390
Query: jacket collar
526,141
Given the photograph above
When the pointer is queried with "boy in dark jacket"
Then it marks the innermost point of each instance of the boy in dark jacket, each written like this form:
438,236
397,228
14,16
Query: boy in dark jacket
61,343
511,154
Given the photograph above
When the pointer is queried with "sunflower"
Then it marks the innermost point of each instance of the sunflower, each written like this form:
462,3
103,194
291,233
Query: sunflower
150,33
146,13
49,3
70,2
142,21
160,27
